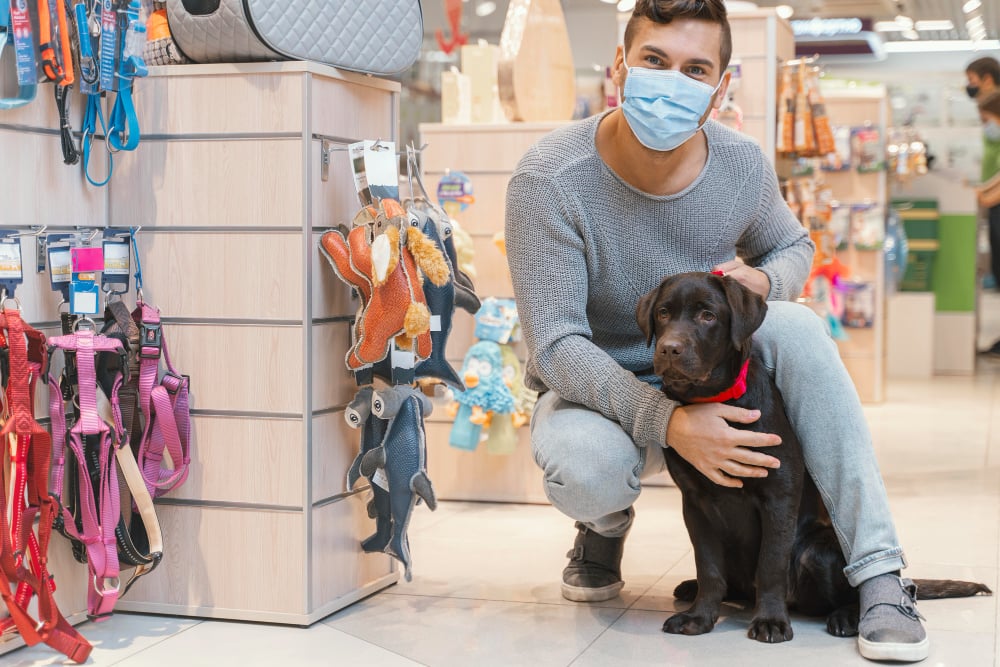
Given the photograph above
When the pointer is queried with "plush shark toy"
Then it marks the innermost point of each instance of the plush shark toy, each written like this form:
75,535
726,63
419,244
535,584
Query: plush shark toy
403,456
359,415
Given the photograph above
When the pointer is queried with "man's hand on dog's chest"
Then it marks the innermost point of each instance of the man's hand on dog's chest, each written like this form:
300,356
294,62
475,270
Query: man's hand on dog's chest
701,435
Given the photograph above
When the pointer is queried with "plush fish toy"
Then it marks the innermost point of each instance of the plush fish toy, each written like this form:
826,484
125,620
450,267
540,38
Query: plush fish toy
359,415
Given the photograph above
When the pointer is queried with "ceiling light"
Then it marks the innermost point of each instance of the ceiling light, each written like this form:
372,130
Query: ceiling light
739,6
610,2
905,22
975,22
626,5
888,26
784,11
941,46
911,34
486,8
971,6
934,25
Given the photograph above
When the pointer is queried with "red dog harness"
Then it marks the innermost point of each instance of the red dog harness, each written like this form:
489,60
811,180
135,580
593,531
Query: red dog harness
28,496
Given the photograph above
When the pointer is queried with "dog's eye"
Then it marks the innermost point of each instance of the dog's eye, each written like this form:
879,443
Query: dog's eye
707,316
662,312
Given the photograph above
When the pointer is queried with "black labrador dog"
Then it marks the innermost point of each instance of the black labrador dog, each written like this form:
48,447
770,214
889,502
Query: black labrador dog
770,542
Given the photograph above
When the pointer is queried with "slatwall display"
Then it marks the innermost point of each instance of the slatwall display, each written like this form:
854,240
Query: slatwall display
228,186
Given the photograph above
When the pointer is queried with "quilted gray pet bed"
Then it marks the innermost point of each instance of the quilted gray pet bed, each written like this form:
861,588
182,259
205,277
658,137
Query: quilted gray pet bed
381,37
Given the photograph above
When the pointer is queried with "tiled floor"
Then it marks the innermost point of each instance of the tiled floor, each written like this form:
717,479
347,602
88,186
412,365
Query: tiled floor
485,590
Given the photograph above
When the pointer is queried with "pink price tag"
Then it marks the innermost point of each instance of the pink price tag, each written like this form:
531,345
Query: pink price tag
87,259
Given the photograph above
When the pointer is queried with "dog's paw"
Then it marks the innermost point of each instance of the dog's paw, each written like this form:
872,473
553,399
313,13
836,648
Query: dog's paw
843,622
686,590
686,624
770,630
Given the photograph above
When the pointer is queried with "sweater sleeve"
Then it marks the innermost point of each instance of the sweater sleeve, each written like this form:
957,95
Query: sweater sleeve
548,267
776,242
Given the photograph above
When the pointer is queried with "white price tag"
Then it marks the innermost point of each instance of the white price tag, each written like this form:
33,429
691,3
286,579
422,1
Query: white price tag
84,303
380,479
116,259
435,323
402,358
10,260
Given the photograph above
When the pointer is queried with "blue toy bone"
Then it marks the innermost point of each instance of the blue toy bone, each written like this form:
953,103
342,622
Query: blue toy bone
487,394
359,415
441,302
404,456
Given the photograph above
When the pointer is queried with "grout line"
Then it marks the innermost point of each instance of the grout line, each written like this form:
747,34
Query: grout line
371,643
142,650
599,635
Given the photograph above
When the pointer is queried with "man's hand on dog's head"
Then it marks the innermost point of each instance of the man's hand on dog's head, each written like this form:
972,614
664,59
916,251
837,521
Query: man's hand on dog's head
701,434
753,279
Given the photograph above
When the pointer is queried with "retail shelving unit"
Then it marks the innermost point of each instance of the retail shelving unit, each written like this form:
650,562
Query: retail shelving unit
864,352
488,155
229,187
762,40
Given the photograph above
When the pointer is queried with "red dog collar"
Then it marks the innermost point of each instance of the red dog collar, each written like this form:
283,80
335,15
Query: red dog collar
738,389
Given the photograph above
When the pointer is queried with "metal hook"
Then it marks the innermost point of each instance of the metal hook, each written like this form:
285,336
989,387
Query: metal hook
93,235
37,232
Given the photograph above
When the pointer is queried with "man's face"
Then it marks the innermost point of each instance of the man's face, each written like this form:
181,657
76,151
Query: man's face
689,46
985,84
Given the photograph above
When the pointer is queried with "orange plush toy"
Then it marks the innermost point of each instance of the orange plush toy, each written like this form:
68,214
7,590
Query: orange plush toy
380,259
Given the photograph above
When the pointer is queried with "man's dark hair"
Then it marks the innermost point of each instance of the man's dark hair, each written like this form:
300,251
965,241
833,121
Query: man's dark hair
665,11
985,66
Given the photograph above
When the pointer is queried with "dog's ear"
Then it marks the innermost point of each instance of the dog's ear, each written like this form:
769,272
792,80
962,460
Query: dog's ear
748,310
645,312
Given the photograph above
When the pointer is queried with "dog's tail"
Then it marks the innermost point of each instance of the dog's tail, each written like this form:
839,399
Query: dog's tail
937,589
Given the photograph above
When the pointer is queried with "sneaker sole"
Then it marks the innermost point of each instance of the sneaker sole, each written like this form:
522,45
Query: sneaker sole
894,651
581,594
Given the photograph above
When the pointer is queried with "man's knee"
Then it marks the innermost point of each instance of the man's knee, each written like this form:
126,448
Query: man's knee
591,467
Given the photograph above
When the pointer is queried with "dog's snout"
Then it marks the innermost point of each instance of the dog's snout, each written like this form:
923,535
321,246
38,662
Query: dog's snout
670,346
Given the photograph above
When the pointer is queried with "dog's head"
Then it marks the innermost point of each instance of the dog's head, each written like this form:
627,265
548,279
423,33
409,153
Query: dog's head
701,325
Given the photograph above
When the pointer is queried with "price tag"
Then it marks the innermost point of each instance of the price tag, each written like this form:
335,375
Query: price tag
83,297
116,265
10,261
380,479
382,169
357,154
87,259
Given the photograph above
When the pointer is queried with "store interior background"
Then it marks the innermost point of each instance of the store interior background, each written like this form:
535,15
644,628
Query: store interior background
486,573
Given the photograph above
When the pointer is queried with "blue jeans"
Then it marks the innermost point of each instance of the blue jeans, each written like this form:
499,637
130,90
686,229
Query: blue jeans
592,468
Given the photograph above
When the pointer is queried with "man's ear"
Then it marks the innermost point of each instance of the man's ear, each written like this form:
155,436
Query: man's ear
645,313
747,311
618,68
720,95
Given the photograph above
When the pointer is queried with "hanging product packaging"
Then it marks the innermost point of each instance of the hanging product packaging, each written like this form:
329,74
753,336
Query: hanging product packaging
786,114
821,122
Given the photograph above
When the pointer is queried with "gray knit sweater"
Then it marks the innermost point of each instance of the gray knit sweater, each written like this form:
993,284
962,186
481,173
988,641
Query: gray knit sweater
583,247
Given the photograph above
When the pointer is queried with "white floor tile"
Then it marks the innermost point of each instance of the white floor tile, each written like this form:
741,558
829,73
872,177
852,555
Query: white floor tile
445,631
637,639
113,640
216,643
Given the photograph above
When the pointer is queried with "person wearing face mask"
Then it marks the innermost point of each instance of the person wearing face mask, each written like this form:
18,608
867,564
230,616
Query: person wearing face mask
597,213
982,75
988,193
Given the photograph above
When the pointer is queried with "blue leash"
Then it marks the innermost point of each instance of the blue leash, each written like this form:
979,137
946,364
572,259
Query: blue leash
24,48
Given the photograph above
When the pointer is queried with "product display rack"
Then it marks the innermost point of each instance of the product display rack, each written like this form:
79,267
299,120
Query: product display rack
478,475
864,351
229,188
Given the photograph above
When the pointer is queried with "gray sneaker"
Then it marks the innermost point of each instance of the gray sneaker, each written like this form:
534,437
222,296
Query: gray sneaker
890,627
594,573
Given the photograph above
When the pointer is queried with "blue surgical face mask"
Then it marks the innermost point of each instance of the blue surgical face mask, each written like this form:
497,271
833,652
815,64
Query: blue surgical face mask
991,130
664,107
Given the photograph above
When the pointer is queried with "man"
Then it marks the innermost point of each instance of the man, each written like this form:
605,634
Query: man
982,75
597,214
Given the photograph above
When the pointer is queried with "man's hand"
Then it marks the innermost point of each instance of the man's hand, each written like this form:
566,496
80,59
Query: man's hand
748,276
700,434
